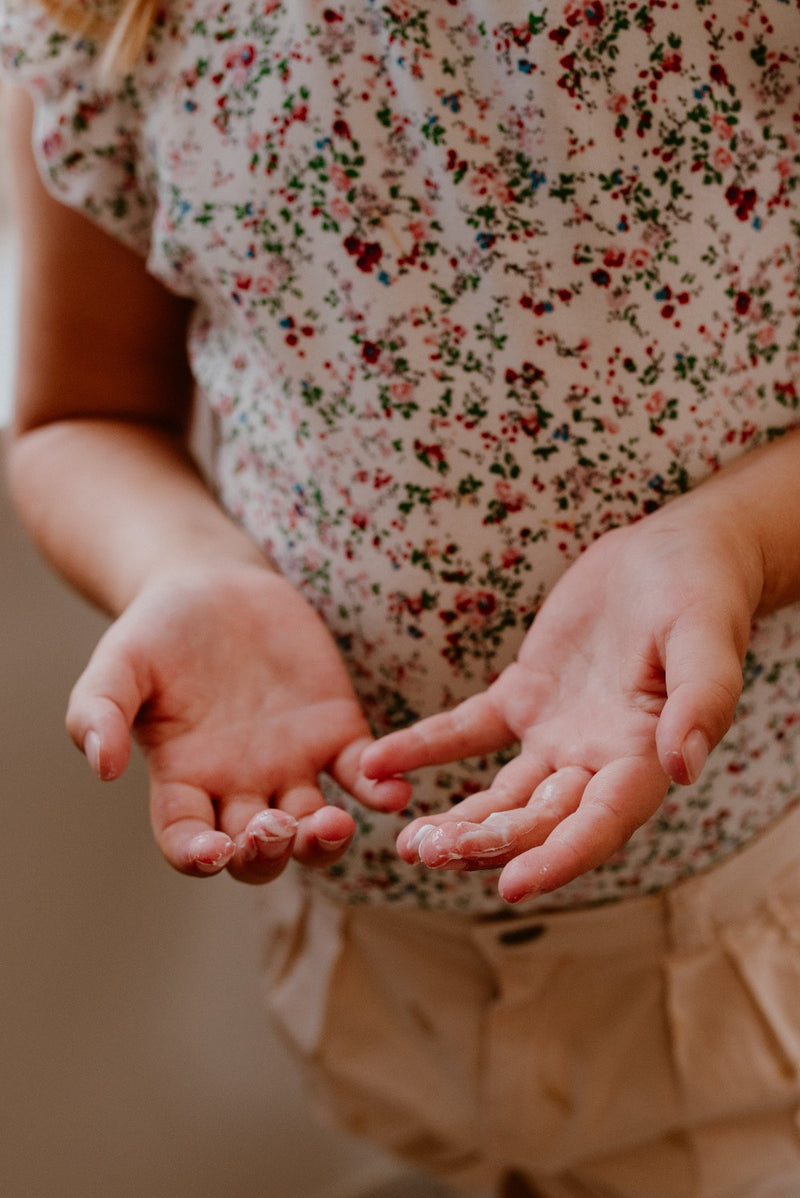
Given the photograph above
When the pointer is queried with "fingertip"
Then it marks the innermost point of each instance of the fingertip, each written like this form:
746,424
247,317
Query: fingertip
380,775
382,790
684,766
694,754
704,685
370,762
390,794
93,749
366,759
516,884
101,711
272,825
106,760
268,837
324,837
384,760
331,823
408,842
512,895
208,853
334,844
263,850
102,733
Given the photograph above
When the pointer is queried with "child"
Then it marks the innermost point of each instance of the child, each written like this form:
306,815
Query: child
496,310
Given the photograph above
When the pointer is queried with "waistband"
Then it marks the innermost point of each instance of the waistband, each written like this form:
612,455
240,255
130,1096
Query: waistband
689,912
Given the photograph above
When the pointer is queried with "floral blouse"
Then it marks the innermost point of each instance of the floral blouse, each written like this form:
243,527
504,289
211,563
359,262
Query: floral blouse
474,283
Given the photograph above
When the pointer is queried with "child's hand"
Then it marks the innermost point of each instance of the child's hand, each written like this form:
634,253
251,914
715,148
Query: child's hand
239,699
629,675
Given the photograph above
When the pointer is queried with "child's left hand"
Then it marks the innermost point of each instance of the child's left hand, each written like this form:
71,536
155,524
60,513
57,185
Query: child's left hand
628,677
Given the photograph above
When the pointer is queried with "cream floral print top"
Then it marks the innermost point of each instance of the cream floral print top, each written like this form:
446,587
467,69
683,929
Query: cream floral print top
475,282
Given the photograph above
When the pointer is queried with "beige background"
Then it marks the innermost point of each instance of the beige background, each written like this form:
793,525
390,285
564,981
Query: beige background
134,1057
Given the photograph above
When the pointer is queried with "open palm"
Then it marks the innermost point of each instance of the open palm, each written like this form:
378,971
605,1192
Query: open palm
630,673
239,699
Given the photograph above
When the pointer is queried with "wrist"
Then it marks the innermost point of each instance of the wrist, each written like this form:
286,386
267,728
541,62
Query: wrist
115,505
712,514
752,505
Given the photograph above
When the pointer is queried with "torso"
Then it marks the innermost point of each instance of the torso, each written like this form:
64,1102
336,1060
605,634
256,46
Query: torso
476,283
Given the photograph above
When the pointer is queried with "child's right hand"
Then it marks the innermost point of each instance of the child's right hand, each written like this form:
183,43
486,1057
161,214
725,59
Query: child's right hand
238,697
228,679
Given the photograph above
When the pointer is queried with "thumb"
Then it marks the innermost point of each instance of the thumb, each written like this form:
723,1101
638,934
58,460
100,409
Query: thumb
102,708
703,666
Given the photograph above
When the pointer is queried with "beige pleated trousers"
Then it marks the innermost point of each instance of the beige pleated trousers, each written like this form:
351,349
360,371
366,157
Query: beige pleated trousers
645,1049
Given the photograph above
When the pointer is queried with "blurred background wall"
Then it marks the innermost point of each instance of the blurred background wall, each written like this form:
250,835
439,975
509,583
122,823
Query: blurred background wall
134,1056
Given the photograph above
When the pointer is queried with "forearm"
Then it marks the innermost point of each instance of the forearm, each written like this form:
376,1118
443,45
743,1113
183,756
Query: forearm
113,503
97,463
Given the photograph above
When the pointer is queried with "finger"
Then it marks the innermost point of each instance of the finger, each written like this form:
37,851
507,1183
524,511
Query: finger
503,835
386,794
184,827
262,838
324,836
300,800
473,727
704,684
324,832
235,812
102,708
511,787
617,800
264,847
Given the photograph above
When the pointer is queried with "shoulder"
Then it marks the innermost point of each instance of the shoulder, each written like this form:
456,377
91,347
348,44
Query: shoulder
86,129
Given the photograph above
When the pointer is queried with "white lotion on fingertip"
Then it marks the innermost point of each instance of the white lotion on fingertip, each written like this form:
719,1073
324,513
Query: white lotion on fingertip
418,837
206,853
472,840
272,825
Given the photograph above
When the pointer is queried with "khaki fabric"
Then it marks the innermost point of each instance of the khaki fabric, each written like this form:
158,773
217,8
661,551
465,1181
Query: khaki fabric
646,1049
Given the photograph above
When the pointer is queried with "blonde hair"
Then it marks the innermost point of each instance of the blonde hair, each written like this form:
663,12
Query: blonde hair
120,38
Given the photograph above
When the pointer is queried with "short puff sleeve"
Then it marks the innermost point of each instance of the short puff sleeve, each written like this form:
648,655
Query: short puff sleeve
88,129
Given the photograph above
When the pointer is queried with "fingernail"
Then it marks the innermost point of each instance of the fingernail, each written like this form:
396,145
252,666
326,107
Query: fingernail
207,854
333,845
91,749
270,832
515,891
695,754
273,825
395,791
418,837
